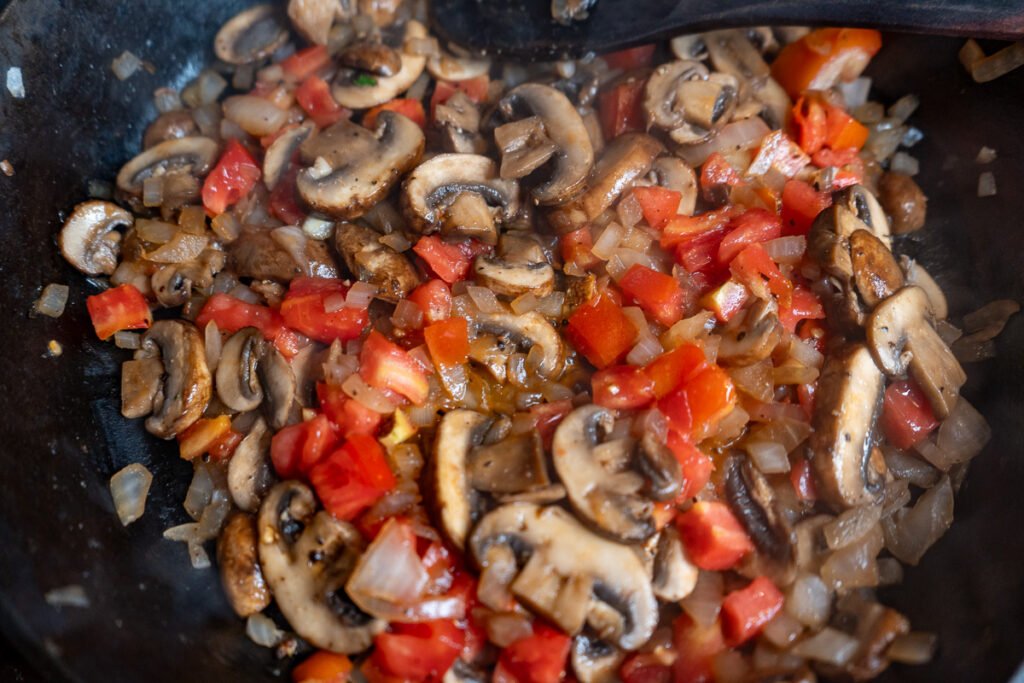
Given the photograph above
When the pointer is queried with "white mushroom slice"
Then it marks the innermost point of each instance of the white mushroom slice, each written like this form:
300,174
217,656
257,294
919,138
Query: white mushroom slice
193,154
448,67
514,279
595,661
689,47
312,19
249,472
529,329
306,557
372,57
849,470
674,174
674,575
353,168
901,337
279,154
238,385
865,206
457,434
187,386
250,35
574,154
564,558
89,240
348,91
682,98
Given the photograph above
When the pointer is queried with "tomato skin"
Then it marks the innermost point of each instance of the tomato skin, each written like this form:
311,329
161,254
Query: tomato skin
304,63
303,309
232,178
638,57
746,611
419,652
696,647
538,658
448,261
448,341
622,387
907,417
296,449
801,204
716,177
233,314
601,332
823,56
475,89
385,365
658,294
844,131
644,667
434,299
713,537
686,230
353,477
658,204
673,368
810,124
726,300
750,227
348,414
323,667
118,308
314,96
696,407
621,107
411,109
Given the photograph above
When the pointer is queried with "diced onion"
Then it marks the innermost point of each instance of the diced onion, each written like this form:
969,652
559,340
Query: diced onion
734,136
986,155
129,488
903,108
396,241
200,491
805,353
15,83
754,380
198,556
855,92
367,396
226,226
890,571
211,85
360,294
904,163
485,299
389,577
317,228
787,250
123,339
646,350
339,367
262,630
854,565
783,630
787,433
293,241
851,525
809,600
770,458
68,596
214,514
182,532
334,302
629,211
705,602
123,66
407,315
525,303
775,412
624,259
153,191
213,345
608,241
1004,61
830,646
155,232
551,305
245,294
913,648
730,666
181,248
689,330
505,628
923,524
52,301
986,184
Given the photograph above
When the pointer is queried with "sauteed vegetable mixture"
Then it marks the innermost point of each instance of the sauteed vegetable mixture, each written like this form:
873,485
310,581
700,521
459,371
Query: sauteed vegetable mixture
597,370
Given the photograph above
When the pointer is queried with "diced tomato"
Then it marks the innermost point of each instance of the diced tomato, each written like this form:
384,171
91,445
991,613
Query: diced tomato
475,89
697,466
684,230
645,667
349,415
658,204
823,57
801,476
844,131
323,667
753,267
202,436
419,652
673,368
314,96
232,178
283,204
601,332
637,57
448,341
801,204
548,416
385,365
804,305
621,107
576,248
305,309
622,387
709,396
713,537
447,261
696,647
353,477
805,397
746,611
118,308
434,299
755,225
907,417
537,658
726,300
409,108
810,123
658,294
233,314
305,63
777,151
716,177
837,157
297,448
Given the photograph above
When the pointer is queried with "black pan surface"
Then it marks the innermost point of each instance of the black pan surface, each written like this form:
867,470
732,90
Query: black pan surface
153,618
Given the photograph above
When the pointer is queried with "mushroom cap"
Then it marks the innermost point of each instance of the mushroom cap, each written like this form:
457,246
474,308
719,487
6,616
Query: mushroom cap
187,384
661,93
369,260
372,57
87,239
458,432
674,576
312,19
306,557
250,35
530,329
195,154
673,173
565,549
574,156
279,254
849,470
350,94
363,165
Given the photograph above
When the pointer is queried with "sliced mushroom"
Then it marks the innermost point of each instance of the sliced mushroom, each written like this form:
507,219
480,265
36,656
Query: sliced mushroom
279,386
682,98
863,204
442,193
174,283
513,279
249,472
513,465
525,146
732,52
604,484
358,90
371,57
89,239
251,35
689,47
258,253
752,500
312,19
140,382
187,386
170,125
457,434
459,119
901,337
571,574
238,385
674,576
369,260
192,155
306,557
529,330
240,572
904,201
755,338
352,168
919,277
674,174
573,154
448,67
595,661
281,152
876,273
627,158
849,470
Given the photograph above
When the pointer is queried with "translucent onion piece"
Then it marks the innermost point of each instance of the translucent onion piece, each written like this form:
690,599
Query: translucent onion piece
245,294
407,315
181,248
689,330
783,630
155,232
200,491
787,250
705,602
770,458
127,340
788,433
963,434
52,301
902,108
389,576
851,525
198,556
608,241
986,155
754,380
923,524
212,519
67,596
396,241
129,488
904,163
629,211
735,136
317,228
504,628
337,370
830,646
551,305
890,571
123,66
525,303
166,99
911,468
854,566
485,299
855,92
262,630
360,294
1004,61
730,666
182,532
775,412
226,226
805,354
153,191
293,241
367,396
213,345
913,648
809,600
646,350
987,184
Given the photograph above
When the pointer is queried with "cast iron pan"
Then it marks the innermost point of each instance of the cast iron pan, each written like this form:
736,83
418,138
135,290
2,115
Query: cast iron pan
153,618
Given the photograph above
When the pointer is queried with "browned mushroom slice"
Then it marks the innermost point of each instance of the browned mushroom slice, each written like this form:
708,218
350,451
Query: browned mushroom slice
90,240
369,260
371,57
459,120
352,168
239,565
312,19
528,330
755,338
457,434
859,201
684,99
249,471
674,576
266,254
848,469
358,90
187,386
238,385
514,279
174,283
512,465
140,382
445,66
901,337
251,35
752,499
192,155
279,385
170,125
904,201
876,273
281,152
570,575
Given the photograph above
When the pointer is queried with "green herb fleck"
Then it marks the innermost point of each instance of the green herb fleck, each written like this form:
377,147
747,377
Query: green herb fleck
365,79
